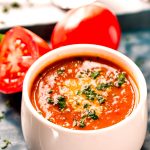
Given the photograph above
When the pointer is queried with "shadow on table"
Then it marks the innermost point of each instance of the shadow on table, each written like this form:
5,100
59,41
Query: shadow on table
12,100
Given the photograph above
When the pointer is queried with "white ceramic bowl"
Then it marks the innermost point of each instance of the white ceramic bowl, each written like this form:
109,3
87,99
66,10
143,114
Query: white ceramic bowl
41,134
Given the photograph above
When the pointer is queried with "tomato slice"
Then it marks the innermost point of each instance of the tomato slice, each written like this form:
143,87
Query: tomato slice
18,51
42,45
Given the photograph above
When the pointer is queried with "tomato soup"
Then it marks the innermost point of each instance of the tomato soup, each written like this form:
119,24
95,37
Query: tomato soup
84,93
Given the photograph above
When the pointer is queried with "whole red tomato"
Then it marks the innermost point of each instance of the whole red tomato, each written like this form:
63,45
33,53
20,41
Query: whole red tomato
18,50
92,24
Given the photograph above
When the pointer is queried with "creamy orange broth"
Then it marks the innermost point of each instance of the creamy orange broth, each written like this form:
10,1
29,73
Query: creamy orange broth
84,93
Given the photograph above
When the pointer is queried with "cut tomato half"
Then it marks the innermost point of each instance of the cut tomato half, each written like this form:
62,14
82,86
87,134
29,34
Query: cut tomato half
18,51
42,44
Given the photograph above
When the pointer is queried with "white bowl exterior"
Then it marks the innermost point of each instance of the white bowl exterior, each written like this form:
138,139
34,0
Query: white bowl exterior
40,134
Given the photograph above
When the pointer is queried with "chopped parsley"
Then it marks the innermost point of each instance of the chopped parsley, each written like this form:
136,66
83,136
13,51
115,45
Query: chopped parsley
121,79
95,74
87,71
50,120
81,74
50,91
60,71
86,105
61,102
50,101
91,96
82,122
92,115
5,144
89,93
101,99
78,92
103,86
40,113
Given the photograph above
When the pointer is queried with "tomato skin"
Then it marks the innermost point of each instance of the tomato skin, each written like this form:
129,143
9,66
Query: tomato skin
18,50
92,24
42,45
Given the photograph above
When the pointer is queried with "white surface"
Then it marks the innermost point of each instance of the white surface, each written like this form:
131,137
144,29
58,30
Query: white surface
118,6
41,134
43,12
127,6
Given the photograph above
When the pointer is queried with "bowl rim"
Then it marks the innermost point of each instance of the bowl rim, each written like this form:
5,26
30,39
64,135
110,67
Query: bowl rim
41,119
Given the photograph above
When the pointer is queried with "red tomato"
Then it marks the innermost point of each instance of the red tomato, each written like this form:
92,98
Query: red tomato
93,24
19,49
42,45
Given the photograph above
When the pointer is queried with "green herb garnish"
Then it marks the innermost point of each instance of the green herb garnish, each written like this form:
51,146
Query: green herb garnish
50,101
86,105
50,120
103,86
87,71
101,99
90,94
78,92
5,144
121,79
83,73
60,71
79,76
61,102
92,115
50,91
39,112
82,122
95,74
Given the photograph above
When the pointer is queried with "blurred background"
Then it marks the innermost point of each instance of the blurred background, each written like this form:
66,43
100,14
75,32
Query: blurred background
132,14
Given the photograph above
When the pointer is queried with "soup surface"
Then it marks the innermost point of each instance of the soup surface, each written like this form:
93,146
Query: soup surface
84,93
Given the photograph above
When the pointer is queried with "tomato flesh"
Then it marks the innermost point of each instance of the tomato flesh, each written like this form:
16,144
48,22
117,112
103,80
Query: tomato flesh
18,51
42,45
